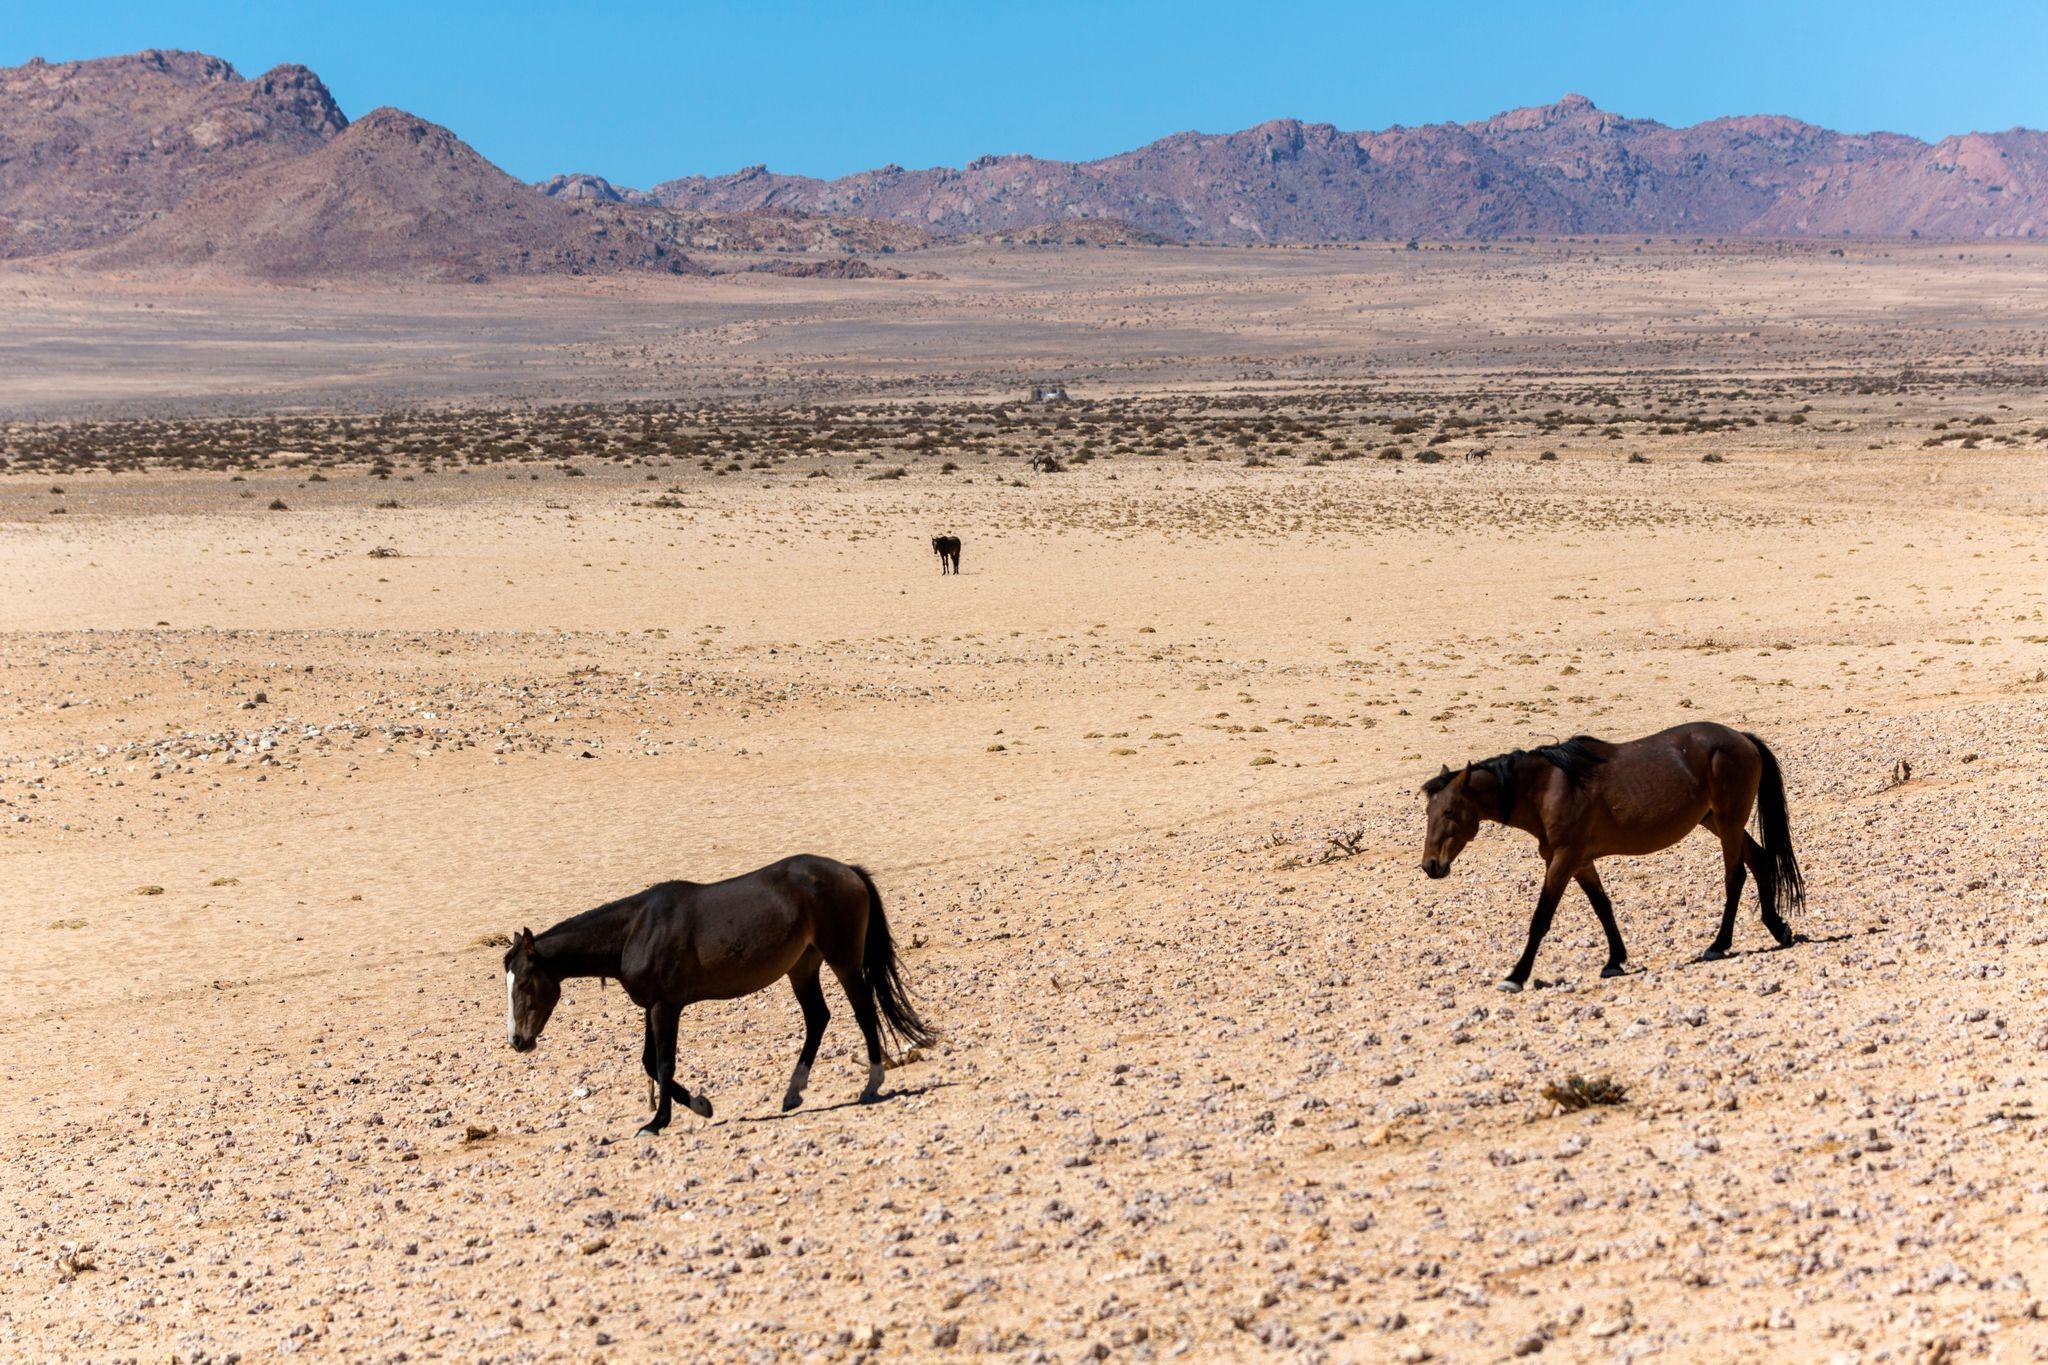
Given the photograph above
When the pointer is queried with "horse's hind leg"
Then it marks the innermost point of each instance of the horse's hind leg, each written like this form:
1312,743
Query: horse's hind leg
803,979
1732,870
863,997
1589,882
1766,889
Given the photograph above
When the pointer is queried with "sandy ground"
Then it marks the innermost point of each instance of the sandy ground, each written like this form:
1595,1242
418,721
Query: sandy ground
1221,1074
1104,320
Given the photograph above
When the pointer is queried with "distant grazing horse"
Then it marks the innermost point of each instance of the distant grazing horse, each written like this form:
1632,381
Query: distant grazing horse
1586,799
680,942
947,548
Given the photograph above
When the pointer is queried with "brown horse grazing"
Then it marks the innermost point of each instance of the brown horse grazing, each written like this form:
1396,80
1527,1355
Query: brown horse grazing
680,942
1586,799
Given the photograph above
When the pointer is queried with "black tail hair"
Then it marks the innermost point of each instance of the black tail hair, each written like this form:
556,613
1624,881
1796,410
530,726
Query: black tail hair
885,975
1779,884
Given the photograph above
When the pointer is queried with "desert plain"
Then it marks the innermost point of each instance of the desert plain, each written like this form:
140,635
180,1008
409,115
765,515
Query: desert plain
343,632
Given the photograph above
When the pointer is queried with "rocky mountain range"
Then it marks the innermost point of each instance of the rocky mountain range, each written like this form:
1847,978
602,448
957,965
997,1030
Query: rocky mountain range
392,196
1563,168
172,161
89,151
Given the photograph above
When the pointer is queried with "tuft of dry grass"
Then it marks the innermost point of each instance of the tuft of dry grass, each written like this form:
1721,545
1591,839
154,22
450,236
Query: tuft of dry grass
1576,1092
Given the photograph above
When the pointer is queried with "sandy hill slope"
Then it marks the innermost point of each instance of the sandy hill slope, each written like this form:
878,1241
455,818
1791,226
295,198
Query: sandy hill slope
89,150
1566,167
392,197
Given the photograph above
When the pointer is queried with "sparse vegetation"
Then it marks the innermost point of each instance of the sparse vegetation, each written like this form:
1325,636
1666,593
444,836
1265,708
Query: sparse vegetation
1575,1092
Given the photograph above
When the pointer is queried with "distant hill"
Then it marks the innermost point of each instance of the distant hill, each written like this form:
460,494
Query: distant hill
784,230
91,150
1561,168
393,196
583,186
171,161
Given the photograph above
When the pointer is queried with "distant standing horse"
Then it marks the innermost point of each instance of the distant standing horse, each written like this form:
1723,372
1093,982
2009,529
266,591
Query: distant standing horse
1587,799
679,942
947,548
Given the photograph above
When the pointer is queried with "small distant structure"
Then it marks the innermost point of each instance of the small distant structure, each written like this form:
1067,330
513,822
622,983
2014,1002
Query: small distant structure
1049,393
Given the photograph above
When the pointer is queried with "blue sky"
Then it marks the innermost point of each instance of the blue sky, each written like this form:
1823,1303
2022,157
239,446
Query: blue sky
641,93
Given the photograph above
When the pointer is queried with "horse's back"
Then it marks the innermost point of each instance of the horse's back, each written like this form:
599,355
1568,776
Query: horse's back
810,874
1695,741
1658,788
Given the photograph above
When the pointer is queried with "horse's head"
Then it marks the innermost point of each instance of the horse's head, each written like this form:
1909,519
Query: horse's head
1454,811
531,991
938,545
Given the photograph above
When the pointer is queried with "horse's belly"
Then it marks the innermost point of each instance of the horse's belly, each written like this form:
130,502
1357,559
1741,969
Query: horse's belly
1646,813
743,958
1651,837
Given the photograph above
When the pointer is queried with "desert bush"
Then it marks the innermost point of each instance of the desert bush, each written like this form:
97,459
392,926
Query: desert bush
1576,1092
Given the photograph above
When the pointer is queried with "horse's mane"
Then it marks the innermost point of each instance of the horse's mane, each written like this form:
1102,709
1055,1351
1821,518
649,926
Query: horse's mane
577,921
1577,758
596,912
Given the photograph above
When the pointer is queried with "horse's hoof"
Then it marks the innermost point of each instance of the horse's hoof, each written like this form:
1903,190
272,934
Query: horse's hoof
1511,986
700,1106
1613,971
870,1096
1712,955
649,1130
790,1102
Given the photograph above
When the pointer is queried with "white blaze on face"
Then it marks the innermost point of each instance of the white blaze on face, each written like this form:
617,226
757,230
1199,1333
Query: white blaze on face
510,1032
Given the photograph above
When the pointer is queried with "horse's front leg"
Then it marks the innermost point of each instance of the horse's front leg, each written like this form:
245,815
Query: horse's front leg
1596,894
665,1061
1555,876
647,1059
661,1044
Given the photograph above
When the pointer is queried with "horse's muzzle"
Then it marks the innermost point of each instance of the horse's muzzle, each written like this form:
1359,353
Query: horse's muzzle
520,1044
1436,868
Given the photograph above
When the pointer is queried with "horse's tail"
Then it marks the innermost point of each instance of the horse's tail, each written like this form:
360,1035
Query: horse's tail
1779,884
884,973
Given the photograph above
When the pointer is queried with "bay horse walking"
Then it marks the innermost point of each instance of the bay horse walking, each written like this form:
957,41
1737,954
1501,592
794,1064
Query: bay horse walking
1586,799
680,942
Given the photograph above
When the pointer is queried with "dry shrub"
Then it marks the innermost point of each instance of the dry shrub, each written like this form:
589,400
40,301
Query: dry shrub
1576,1092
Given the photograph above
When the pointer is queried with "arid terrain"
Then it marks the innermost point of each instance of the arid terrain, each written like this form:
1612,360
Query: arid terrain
343,631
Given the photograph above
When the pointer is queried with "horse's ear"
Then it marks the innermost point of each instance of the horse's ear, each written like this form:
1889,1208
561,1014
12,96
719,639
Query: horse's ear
1446,772
526,940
